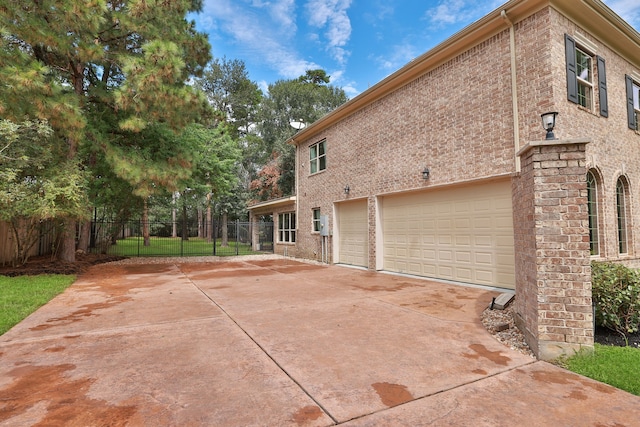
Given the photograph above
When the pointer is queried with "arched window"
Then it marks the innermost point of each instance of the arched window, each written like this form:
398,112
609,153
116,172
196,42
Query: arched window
621,211
592,203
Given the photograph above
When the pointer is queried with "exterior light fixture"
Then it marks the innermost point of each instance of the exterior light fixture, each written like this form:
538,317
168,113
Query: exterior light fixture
548,123
346,189
298,124
425,173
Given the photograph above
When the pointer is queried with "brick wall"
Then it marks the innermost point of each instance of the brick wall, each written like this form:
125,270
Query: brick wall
443,120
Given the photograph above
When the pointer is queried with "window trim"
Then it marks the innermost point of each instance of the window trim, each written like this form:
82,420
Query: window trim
319,160
287,227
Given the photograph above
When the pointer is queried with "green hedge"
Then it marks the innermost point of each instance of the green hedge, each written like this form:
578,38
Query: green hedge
616,295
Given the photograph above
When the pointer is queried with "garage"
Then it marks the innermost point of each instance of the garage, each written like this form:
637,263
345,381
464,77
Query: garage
353,233
463,234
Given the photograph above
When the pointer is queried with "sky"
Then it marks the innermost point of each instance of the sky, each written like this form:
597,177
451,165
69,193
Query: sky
357,42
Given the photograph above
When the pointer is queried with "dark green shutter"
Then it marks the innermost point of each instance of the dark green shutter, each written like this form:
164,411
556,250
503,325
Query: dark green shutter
572,74
631,112
602,87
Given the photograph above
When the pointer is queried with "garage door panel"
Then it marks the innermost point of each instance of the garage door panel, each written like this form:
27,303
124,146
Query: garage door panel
463,257
463,234
353,229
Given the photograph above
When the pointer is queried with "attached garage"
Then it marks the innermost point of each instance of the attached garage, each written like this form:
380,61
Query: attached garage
353,233
462,234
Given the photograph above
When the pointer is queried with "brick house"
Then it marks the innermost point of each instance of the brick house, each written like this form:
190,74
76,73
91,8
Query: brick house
443,169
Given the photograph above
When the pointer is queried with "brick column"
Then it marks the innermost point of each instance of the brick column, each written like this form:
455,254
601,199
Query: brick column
551,229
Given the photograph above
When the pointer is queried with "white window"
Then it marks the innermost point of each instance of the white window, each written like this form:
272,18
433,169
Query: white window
318,157
584,69
287,227
316,220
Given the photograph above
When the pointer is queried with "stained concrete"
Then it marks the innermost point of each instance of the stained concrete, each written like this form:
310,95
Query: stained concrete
276,343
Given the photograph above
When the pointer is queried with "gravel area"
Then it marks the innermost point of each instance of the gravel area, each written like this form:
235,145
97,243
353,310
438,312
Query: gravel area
501,325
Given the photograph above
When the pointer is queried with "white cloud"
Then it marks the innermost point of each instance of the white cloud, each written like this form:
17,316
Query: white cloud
629,10
262,30
449,12
401,54
331,16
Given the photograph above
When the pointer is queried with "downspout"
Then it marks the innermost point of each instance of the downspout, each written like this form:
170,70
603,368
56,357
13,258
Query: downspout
514,89
297,173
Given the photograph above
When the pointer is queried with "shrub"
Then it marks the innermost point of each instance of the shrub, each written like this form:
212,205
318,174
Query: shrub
616,295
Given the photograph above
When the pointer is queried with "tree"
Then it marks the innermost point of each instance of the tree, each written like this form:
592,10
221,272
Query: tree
236,99
215,168
306,98
37,182
158,162
230,92
98,68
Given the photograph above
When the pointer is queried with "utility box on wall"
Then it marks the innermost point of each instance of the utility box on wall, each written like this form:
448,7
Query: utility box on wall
324,225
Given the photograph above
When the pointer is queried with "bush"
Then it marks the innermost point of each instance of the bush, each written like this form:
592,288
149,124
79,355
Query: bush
616,295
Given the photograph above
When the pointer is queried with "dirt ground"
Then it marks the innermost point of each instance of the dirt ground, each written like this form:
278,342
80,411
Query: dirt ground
49,265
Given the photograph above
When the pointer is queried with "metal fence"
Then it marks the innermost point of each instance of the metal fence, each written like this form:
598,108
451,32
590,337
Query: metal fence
178,238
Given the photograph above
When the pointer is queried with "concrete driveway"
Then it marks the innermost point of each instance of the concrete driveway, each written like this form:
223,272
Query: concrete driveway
277,342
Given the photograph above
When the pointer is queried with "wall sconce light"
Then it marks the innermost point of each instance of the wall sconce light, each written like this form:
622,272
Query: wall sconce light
425,173
346,189
548,123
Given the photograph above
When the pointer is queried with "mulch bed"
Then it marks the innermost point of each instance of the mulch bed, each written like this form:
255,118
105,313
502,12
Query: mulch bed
606,336
49,265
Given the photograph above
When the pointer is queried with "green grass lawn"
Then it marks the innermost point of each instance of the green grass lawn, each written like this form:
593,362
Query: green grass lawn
616,366
20,296
171,246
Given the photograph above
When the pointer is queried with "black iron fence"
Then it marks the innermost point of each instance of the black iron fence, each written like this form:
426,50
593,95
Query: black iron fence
178,238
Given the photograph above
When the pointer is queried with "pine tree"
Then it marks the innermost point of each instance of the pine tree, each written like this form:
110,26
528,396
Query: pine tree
100,72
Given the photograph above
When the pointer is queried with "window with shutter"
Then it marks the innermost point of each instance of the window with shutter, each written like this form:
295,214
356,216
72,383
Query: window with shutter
581,81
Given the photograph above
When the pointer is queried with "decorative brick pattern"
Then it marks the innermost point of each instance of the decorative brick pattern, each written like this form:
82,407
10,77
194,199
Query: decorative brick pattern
553,272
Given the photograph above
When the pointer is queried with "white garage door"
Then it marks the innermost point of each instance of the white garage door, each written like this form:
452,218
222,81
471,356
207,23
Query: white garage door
353,233
463,234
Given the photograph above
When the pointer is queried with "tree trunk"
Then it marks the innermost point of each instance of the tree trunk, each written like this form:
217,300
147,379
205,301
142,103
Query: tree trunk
225,231
85,236
145,224
200,223
68,250
185,229
174,216
209,224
